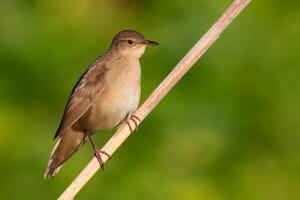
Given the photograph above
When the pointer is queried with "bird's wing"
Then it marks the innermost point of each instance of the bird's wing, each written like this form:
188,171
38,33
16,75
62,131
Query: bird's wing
87,90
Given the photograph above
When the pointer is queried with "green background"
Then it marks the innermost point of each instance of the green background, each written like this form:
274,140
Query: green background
228,130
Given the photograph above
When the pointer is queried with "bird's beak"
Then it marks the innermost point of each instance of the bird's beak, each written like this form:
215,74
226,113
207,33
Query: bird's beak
149,42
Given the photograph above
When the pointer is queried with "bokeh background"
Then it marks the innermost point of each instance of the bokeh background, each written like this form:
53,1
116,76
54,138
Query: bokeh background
229,130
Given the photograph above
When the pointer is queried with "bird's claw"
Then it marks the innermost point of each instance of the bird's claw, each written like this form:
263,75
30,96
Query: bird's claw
135,121
97,154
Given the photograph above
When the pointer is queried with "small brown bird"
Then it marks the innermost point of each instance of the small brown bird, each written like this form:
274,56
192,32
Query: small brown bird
106,95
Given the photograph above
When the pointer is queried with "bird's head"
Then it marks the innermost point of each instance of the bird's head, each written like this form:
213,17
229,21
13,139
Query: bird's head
129,42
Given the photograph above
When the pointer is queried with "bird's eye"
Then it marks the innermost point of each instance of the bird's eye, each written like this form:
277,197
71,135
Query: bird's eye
130,42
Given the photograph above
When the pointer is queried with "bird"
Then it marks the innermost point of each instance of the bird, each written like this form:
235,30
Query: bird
106,95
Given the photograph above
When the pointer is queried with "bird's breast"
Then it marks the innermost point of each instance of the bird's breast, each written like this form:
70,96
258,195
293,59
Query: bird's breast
120,97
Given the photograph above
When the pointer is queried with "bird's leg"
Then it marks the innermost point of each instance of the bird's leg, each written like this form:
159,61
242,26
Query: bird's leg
130,117
134,119
97,152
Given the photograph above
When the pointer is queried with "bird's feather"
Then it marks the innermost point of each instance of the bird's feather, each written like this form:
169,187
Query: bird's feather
87,90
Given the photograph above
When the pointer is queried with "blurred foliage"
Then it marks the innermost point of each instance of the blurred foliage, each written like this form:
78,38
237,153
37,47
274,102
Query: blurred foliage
228,130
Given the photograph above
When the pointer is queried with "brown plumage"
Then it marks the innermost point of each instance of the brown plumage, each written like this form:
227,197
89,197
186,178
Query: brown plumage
106,94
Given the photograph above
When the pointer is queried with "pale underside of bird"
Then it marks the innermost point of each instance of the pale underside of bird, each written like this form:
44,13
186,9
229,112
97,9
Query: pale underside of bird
106,95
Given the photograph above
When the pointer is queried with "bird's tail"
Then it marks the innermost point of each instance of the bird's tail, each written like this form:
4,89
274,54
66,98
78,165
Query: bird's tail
65,147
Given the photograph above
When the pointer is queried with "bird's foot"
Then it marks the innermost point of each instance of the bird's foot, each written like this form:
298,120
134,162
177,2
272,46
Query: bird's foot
135,121
97,154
